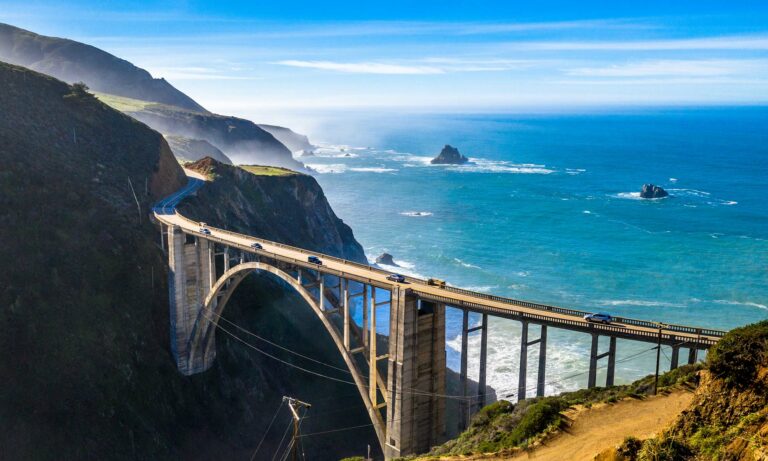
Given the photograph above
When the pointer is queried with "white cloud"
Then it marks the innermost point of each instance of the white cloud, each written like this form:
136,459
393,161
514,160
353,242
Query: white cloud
364,67
734,42
675,67
419,67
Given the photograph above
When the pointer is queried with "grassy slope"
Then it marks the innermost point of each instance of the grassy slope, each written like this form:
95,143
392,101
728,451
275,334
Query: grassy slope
259,170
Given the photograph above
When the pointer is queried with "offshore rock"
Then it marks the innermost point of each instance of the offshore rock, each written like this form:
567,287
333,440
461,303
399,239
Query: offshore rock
449,156
651,191
386,258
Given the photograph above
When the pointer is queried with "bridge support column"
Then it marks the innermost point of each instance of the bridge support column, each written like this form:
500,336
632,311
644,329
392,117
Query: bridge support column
592,379
416,375
226,259
611,371
522,378
373,368
541,378
464,405
693,355
481,391
673,363
345,300
191,270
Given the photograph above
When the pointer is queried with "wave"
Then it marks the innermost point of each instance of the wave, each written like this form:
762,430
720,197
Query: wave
672,179
628,195
740,303
690,192
574,171
323,168
468,265
638,302
416,214
481,288
373,170
478,165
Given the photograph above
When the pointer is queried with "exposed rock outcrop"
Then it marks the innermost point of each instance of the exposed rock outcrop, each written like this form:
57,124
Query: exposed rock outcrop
652,191
449,156
386,258
292,140
289,208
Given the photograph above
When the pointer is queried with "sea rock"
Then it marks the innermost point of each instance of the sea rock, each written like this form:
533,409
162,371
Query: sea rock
651,191
449,156
386,259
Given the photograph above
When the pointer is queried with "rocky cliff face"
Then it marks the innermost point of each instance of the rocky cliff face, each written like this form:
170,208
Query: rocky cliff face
449,156
292,140
278,205
77,62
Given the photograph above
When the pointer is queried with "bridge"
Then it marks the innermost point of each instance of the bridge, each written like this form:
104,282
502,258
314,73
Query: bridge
403,386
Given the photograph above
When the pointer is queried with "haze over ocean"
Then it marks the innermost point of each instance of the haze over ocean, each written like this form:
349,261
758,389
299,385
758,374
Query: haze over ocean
548,211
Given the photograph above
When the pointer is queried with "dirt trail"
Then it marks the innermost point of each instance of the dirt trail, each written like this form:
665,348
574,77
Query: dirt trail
604,426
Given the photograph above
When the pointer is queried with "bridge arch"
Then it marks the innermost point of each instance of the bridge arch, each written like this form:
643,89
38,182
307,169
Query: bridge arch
202,342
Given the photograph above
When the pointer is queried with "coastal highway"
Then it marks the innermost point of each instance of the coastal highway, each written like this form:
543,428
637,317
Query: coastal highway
635,329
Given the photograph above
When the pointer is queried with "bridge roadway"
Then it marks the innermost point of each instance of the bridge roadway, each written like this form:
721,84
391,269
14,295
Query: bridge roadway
627,328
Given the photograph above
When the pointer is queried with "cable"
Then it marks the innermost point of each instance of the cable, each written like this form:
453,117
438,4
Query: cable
337,430
277,450
267,431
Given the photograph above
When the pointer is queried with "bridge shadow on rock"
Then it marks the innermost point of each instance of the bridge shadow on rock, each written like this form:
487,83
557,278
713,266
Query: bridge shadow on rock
253,384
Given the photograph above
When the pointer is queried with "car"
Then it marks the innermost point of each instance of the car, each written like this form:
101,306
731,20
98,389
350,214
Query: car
396,278
436,282
204,230
257,246
600,317
314,260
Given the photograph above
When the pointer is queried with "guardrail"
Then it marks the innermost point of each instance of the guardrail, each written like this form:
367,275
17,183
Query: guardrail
499,299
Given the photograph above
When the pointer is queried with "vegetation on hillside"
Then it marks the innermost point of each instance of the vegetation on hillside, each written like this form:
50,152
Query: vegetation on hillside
260,170
504,426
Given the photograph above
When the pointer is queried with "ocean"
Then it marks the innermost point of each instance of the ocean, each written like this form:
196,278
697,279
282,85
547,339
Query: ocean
548,210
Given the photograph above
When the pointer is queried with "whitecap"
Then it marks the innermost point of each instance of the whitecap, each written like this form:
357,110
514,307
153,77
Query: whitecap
690,192
672,179
575,171
740,303
628,195
481,288
373,170
323,168
465,264
416,214
587,212
638,302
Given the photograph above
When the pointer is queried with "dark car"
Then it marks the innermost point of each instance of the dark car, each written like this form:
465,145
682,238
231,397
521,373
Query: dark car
257,246
204,230
396,278
314,260
600,317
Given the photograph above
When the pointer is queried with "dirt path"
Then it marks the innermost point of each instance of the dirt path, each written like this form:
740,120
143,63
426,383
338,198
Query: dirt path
605,426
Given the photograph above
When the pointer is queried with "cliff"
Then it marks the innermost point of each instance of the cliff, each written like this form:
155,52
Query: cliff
275,204
292,140
77,62
84,350
190,150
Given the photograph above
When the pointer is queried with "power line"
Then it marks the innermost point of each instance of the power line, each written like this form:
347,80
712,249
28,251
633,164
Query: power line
267,431
277,450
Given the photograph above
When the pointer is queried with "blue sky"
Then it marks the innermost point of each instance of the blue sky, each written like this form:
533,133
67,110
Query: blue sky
253,58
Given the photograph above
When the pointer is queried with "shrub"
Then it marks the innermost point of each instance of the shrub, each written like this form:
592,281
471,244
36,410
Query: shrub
663,449
736,357
629,449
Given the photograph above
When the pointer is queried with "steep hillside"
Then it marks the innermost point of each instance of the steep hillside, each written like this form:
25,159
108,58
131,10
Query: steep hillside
292,140
77,62
279,205
84,349
190,150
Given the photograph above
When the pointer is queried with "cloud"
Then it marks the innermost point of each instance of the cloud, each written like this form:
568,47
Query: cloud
428,66
734,42
673,67
364,67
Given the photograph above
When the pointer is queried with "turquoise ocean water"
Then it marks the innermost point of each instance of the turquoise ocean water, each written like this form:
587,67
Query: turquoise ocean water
548,211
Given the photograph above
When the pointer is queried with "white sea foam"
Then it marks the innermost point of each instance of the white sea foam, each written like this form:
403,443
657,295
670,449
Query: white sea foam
416,214
478,165
628,195
740,303
672,179
465,264
574,171
587,212
323,168
481,288
373,170
690,192
638,302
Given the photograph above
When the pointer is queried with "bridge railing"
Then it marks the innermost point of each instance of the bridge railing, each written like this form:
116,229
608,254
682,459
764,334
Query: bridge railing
498,299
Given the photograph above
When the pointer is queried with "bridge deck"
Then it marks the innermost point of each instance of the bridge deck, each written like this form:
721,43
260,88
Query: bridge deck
640,330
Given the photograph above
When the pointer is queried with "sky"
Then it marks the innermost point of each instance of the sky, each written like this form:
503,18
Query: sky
252,57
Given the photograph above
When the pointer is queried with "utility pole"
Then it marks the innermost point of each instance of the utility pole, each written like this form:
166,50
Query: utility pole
294,405
658,358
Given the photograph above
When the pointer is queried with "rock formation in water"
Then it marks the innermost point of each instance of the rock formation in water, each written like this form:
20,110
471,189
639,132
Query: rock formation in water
652,191
386,258
449,156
